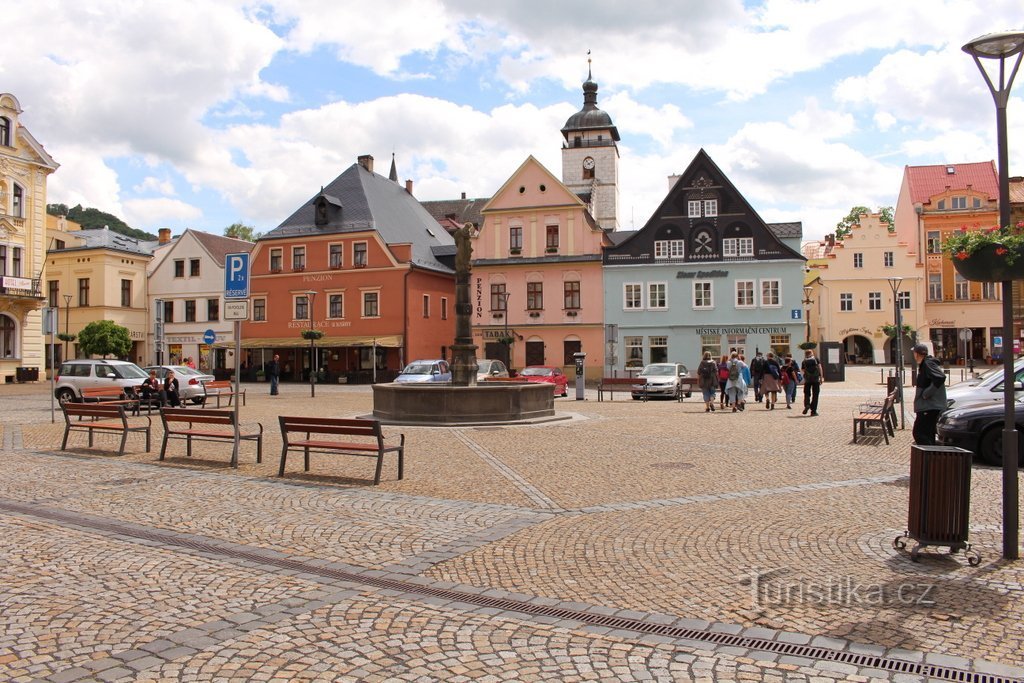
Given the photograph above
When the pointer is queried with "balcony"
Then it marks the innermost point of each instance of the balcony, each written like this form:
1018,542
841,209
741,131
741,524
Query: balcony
22,287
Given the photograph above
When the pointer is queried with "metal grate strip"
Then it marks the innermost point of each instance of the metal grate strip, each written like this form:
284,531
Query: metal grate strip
524,607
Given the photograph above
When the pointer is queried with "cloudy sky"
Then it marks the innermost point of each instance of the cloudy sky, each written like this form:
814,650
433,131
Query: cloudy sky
200,113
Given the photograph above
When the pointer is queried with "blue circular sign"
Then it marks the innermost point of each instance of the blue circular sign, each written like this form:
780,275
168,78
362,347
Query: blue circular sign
209,337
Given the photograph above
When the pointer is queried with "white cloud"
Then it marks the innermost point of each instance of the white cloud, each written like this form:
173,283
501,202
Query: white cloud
153,184
83,178
149,212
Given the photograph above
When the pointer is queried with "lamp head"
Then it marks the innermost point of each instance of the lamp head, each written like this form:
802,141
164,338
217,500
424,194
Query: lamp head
996,45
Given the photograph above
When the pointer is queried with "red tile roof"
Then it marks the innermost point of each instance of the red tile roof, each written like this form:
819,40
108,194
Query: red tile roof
1017,190
928,181
220,246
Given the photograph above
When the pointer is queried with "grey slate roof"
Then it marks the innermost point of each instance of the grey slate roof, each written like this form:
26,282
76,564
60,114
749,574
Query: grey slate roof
105,238
463,210
786,230
619,236
368,201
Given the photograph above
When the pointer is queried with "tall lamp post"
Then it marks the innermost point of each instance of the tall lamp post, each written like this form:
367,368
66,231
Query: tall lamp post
807,302
894,283
508,346
311,296
67,321
1000,46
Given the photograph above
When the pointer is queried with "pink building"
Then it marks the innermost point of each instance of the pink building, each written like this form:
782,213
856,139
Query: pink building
537,284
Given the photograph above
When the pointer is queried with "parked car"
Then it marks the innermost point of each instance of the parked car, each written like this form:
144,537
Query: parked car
663,379
979,429
490,368
75,375
190,380
547,373
986,389
425,371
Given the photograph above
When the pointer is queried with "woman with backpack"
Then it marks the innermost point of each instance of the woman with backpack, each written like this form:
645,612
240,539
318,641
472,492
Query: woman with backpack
735,386
770,383
723,377
790,378
707,379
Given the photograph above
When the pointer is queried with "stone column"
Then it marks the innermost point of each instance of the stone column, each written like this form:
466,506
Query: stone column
463,350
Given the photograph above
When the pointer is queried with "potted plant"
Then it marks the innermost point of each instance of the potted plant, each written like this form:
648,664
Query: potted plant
993,254
261,375
312,334
808,345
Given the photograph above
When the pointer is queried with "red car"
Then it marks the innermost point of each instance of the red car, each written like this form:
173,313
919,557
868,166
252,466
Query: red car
547,373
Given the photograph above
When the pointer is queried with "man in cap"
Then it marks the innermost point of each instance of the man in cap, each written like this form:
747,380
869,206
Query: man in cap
930,396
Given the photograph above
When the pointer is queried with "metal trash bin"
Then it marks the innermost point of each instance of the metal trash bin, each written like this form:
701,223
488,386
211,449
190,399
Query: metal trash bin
940,501
27,374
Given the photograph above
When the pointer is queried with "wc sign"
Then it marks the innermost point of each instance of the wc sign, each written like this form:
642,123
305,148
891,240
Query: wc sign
236,276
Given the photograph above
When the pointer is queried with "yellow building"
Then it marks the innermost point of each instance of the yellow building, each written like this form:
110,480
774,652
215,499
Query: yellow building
24,168
97,275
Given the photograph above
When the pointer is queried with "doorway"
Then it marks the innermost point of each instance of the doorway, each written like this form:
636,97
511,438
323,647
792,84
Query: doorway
535,353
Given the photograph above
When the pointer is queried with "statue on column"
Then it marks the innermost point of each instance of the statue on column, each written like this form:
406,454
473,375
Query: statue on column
463,350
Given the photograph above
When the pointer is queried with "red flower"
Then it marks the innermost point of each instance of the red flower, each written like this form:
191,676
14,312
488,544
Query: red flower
1001,250
962,255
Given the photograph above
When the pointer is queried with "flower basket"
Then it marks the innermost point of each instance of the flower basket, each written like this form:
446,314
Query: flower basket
312,334
66,337
991,263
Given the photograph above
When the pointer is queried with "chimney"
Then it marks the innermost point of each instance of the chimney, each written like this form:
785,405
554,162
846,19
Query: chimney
165,235
463,195
672,180
366,161
830,240
408,186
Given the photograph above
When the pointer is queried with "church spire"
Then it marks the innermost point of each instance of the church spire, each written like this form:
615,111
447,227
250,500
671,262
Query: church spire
393,176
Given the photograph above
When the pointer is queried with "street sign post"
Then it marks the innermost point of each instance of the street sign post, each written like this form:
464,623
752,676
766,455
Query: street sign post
236,286
236,310
209,337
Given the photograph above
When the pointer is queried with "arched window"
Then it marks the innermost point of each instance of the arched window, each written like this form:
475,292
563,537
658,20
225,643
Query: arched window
18,206
5,131
7,338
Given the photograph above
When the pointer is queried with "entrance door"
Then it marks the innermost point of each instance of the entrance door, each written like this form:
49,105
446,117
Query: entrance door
497,351
535,353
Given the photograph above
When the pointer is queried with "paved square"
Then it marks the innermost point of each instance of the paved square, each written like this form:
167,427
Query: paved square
636,541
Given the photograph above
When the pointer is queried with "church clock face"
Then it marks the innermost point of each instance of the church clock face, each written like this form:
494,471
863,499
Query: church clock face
588,163
703,244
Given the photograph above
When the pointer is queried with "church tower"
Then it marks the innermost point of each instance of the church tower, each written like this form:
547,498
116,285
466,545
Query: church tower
590,157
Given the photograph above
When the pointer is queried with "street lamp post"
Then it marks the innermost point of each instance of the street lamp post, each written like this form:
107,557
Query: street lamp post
894,283
1000,46
807,302
508,346
311,296
67,321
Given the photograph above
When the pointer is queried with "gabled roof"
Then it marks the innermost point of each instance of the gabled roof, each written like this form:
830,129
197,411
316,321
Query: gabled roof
927,181
787,230
568,195
220,246
461,210
368,201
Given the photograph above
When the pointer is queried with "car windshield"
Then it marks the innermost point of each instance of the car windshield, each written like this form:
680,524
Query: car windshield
184,370
483,366
535,372
130,371
418,369
658,371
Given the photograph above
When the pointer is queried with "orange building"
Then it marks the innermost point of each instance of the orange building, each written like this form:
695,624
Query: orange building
366,265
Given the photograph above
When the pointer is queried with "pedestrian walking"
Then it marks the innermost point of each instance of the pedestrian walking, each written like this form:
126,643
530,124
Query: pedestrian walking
813,378
707,379
929,397
771,381
756,374
723,377
791,377
735,387
274,373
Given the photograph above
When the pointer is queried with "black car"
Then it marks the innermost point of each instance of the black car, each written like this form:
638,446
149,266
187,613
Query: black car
979,429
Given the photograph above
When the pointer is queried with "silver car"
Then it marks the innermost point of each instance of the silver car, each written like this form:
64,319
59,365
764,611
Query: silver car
663,379
190,380
986,389
490,368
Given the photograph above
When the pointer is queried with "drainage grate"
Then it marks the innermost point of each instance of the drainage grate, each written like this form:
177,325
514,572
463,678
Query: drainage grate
810,652
123,482
673,465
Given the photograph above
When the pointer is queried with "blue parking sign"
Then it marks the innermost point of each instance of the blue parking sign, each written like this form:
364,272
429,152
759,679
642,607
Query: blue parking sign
236,276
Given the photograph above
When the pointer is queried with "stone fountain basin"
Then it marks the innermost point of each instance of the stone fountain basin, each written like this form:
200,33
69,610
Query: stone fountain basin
444,404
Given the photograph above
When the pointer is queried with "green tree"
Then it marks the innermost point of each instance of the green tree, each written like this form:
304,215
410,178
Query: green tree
104,338
241,231
844,226
94,219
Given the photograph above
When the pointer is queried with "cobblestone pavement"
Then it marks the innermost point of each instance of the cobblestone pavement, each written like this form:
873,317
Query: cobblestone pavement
632,542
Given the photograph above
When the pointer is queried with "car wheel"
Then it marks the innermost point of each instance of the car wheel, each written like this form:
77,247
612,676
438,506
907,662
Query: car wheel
565,391
991,447
65,396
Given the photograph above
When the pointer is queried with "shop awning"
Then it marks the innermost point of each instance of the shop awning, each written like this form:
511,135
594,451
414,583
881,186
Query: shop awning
390,341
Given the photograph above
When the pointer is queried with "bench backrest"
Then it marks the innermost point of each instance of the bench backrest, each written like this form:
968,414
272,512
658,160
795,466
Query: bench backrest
100,392
217,384
331,425
99,410
210,417
623,380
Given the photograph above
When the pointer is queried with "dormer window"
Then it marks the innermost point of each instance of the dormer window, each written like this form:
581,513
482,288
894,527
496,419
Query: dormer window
5,131
321,211
696,208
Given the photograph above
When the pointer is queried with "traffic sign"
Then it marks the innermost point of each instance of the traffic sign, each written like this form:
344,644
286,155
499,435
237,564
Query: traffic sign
796,314
209,337
236,310
966,334
236,276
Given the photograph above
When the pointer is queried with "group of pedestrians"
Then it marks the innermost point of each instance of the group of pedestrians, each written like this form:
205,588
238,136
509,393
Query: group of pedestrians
731,378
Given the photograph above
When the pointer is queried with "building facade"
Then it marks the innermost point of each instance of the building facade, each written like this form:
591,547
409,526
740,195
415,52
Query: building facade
536,280
186,294
24,169
854,297
933,202
704,274
365,264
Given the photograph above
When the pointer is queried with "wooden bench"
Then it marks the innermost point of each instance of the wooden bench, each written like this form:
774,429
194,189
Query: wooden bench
221,387
105,417
620,384
371,441
111,396
883,415
175,419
